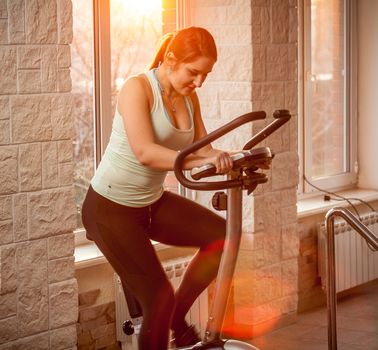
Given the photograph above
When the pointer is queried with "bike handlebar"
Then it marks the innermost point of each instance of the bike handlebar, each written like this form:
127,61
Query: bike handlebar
282,116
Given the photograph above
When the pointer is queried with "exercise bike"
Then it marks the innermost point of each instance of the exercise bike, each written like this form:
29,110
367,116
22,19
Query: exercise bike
244,176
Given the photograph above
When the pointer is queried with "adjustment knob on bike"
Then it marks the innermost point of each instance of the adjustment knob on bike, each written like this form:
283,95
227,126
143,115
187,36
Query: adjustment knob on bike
219,201
128,327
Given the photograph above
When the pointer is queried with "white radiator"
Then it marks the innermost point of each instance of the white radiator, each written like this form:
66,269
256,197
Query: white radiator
197,315
355,262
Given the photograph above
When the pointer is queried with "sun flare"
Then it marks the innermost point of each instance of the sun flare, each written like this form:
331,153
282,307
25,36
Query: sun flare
140,7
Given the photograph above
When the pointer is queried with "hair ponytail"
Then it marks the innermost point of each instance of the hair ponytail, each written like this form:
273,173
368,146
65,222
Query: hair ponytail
162,48
186,44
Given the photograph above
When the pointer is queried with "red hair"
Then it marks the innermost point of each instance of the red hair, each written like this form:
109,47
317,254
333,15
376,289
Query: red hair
186,44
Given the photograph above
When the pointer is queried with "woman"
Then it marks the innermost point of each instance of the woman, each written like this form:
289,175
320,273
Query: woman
158,114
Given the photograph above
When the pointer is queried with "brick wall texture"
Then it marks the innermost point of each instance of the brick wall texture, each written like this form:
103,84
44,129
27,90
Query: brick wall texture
38,291
96,326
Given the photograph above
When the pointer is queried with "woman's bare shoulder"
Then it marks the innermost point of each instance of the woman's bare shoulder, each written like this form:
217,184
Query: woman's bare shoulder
133,82
137,87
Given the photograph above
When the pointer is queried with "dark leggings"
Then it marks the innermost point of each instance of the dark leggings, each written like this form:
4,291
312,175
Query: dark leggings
123,235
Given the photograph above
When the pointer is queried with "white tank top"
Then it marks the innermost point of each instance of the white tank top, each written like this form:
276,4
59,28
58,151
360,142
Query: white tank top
120,177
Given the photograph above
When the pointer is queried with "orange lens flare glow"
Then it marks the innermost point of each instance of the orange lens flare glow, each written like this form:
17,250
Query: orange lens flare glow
256,309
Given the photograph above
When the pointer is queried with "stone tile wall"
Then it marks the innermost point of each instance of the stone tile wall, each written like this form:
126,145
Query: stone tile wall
310,291
257,70
38,291
227,91
273,249
96,327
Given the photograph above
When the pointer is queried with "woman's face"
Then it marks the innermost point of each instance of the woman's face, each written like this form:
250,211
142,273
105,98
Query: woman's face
187,76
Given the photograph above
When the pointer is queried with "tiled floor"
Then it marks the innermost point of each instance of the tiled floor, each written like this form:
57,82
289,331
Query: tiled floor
357,321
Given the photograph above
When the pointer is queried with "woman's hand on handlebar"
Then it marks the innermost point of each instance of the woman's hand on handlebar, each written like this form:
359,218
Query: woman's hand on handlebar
221,160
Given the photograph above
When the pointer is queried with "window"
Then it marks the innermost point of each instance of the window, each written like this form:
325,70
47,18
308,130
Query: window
329,124
113,39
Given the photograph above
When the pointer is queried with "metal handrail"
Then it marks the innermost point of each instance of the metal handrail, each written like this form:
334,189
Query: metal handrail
372,240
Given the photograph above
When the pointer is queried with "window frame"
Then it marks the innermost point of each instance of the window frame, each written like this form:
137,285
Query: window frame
347,179
101,76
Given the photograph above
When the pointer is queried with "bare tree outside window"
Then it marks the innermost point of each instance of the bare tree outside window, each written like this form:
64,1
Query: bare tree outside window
136,27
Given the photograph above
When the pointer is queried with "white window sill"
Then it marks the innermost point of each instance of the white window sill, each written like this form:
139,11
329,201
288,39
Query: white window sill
87,254
317,204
